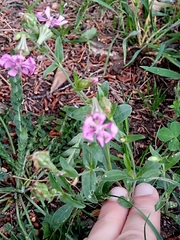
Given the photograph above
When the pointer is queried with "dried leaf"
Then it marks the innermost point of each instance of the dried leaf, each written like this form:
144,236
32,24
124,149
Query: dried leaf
59,79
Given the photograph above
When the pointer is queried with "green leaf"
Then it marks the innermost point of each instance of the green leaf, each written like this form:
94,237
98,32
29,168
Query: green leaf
124,45
4,155
54,184
126,203
115,175
49,69
163,72
59,49
73,152
70,171
105,88
160,53
173,144
89,185
88,34
171,161
3,175
61,215
102,3
122,112
66,198
175,128
88,157
134,137
175,217
148,169
164,134
77,113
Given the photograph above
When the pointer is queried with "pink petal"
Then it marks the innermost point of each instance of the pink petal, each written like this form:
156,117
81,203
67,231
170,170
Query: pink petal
103,137
57,22
28,66
13,72
40,17
98,118
112,128
48,12
18,58
9,64
4,59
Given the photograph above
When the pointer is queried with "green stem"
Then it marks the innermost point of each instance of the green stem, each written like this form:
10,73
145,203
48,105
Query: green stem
40,209
8,134
19,220
81,93
132,159
108,159
165,188
25,210
4,237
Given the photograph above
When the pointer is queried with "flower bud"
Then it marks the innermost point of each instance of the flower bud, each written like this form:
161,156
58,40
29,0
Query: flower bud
22,47
44,34
41,192
105,105
42,159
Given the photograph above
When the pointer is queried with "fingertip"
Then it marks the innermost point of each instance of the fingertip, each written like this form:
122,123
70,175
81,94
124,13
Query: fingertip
145,189
145,197
118,192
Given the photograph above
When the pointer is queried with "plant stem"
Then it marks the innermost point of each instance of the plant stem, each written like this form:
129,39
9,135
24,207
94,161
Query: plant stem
165,188
19,220
108,159
4,237
25,210
40,209
81,93
8,134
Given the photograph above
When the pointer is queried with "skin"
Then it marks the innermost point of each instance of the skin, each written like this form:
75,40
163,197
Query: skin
118,223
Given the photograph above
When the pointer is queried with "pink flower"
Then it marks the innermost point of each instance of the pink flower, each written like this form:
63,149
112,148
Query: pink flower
17,63
94,127
50,21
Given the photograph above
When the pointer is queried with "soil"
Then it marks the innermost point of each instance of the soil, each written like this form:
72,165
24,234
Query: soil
123,81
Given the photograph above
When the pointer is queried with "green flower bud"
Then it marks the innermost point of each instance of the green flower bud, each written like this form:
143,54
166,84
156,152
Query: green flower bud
44,34
41,192
81,84
42,159
22,47
29,21
95,106
105,105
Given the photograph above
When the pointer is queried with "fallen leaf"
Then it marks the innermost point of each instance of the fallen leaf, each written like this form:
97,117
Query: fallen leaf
59,79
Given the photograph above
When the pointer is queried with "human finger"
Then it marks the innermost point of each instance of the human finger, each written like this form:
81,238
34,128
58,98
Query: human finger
145,197
111,218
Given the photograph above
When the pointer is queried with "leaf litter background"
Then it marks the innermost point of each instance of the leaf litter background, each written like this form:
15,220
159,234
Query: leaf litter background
50,94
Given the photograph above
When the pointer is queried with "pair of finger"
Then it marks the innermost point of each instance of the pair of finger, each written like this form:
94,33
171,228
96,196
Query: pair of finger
118,223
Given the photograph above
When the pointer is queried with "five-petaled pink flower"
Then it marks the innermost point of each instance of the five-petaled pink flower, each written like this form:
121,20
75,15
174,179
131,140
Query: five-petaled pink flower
50,21
94,128
18,64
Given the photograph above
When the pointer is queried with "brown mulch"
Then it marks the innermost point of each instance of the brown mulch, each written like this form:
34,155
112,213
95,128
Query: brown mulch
123,82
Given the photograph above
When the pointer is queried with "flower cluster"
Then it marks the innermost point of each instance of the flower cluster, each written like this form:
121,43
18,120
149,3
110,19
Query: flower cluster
94,128
18,64
50,21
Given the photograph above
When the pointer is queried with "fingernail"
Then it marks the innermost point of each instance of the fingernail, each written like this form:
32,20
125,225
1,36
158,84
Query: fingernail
143,189
118,191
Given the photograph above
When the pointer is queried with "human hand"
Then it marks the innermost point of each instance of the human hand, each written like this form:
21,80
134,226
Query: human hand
118,223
